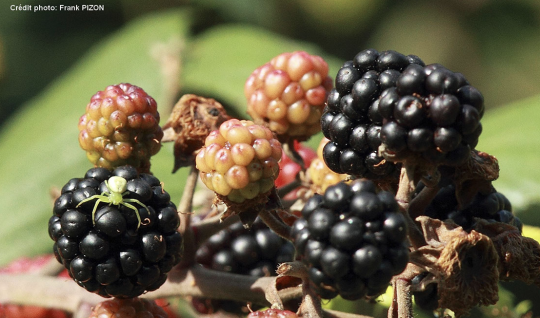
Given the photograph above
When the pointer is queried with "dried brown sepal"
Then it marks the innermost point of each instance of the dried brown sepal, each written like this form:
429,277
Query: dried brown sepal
192,119
473,176
519,256
464,264
249,205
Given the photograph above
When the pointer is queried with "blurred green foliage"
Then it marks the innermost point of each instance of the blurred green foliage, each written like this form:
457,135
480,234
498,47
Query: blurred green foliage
51,63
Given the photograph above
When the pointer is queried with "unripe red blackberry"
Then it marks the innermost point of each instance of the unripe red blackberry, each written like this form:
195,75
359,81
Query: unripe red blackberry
116,232
352,239
272,313
240,162
121,127
127,308
288,94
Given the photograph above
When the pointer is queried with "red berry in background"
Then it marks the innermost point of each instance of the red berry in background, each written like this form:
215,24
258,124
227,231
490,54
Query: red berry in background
273,313
289,169
30,265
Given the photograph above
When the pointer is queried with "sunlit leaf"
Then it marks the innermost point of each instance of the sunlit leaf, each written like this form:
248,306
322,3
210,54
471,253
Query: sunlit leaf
511,135
39,147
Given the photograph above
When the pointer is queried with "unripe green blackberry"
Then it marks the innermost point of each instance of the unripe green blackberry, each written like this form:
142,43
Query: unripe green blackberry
288,94
239,161
121,127
127,308
318,173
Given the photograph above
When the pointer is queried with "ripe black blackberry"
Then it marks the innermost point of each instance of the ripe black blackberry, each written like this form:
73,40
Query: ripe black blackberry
432,112
255,252
352,239
105,247
352,118
494,207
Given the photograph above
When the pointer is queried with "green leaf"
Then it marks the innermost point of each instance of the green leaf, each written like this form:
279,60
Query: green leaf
511,135
221,59
39,148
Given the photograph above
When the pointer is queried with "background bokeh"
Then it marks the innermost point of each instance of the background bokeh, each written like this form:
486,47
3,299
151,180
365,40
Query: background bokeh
51,63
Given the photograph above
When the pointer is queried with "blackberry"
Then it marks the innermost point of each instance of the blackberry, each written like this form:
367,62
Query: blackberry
353,240
105,247
432,112
365,89
288,94
255,252
124,308
240,162
427,299
493,206
121,127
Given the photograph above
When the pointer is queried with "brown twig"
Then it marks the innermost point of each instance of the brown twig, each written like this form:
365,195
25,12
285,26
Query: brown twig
184,210
65,294
288,148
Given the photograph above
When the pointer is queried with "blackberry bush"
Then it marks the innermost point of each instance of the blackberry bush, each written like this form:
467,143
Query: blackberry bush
352,239
115,248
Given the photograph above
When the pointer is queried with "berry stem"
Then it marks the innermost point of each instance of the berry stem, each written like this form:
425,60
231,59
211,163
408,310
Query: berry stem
275,223
403,198
286,189
402,302
208,227
418,204
184,211
290,152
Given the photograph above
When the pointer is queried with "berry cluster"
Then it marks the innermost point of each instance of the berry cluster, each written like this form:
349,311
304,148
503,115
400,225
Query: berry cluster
352,239
431,111
351,119
256,252
126,308
121,127
288,94
116,248
240,160
494,207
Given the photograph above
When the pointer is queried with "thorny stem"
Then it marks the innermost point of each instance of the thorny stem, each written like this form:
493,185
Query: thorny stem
65,294
184,210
